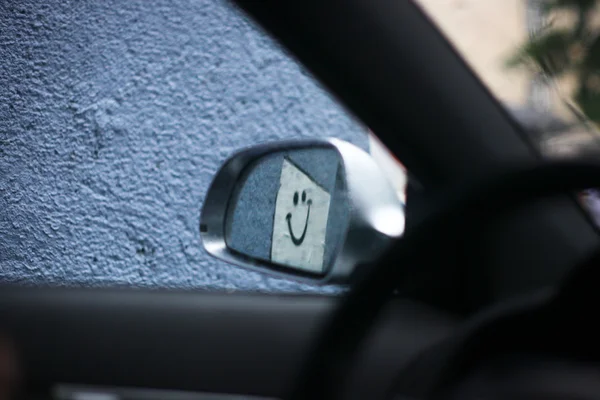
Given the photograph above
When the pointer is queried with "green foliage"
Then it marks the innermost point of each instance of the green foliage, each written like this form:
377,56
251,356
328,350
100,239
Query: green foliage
591,58
577,5
573,50
548,52
589,102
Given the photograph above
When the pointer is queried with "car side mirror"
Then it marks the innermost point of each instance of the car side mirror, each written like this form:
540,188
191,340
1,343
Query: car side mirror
313,210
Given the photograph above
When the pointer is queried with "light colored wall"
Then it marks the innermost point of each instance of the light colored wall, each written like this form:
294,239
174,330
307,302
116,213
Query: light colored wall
486,32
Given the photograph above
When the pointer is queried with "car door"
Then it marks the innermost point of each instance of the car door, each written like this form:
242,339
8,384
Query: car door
115,129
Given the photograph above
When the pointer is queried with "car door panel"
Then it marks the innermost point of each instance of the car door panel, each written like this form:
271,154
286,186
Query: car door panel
195,341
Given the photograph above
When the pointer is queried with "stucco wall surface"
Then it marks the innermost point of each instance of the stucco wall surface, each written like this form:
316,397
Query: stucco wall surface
114,116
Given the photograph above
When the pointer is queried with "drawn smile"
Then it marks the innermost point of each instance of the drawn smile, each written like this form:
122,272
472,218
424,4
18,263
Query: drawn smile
288,217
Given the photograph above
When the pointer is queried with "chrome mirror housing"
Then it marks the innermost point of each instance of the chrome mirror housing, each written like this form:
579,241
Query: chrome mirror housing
313,210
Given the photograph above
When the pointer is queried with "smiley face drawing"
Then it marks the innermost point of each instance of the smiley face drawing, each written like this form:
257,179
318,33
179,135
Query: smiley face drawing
298,240
300,221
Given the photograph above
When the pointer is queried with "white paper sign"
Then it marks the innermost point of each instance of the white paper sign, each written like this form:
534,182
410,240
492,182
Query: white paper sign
300,223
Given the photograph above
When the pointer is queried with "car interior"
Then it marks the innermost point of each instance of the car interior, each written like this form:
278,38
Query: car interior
493,265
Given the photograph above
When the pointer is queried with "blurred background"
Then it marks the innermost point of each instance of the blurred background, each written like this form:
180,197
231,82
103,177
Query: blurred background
535,57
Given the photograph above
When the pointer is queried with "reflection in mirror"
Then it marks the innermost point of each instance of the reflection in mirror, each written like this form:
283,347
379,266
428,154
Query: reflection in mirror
290,209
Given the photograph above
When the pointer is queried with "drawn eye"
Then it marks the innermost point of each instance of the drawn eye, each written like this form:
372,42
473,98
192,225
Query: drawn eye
303,196
295,198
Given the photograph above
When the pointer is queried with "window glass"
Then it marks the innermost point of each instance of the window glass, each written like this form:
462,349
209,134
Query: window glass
116,115
492,36
539,57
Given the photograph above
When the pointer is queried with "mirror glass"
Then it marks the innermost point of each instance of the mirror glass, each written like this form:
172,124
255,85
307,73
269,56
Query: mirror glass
290,209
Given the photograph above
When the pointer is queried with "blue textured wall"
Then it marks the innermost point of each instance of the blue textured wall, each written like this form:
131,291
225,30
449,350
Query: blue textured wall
114,115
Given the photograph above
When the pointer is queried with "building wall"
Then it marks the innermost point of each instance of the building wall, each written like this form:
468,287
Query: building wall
486,33
115,116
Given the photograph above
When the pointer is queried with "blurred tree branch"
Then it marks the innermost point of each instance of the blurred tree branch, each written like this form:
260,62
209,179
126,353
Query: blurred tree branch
560,50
